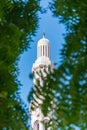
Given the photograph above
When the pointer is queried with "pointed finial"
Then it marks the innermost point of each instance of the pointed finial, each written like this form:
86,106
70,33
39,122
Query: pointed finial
43,35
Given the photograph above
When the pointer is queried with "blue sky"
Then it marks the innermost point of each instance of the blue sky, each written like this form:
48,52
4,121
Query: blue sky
53,30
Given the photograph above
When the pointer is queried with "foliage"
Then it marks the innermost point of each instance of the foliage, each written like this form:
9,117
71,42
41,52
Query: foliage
18,22
65,90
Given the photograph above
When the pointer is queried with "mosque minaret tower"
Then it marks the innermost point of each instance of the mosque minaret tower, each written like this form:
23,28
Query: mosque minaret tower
42,62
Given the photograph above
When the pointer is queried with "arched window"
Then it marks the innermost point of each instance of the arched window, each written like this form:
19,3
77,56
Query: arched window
43,50
36,125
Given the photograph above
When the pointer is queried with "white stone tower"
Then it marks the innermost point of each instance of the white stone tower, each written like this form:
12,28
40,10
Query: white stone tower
38,121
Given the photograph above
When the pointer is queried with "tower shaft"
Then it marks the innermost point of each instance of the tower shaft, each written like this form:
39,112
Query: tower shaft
42,62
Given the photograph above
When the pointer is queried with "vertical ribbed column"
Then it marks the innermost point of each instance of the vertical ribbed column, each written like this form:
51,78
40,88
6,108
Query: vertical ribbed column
47,51
37,51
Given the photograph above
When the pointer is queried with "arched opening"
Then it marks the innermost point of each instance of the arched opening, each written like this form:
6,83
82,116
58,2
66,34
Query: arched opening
43,50
36,125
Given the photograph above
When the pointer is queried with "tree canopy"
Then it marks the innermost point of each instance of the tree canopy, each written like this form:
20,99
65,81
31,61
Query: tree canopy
65,90
18,22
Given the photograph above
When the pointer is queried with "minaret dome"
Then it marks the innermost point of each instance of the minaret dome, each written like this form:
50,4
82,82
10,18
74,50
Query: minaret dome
43,54
43,47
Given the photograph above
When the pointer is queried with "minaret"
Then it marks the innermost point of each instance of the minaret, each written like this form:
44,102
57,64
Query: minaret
42,62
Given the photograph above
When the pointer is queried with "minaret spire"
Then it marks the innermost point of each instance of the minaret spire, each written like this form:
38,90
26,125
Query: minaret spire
43,34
